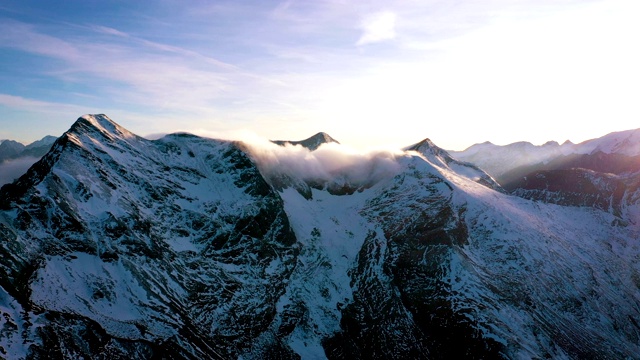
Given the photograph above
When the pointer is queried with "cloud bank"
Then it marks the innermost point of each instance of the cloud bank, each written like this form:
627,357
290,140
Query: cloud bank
331,165
13,169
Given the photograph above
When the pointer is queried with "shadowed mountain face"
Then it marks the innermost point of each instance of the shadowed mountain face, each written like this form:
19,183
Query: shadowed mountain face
311,143
114,246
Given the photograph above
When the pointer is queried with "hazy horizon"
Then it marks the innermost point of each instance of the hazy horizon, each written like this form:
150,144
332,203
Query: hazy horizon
250,136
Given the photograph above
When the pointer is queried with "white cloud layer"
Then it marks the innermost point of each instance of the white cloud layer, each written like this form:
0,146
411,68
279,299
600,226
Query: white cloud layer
13,169
330,163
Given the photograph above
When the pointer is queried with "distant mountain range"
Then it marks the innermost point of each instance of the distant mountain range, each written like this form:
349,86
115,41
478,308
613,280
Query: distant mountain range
600,173
617,153
16,158
115,246
10,149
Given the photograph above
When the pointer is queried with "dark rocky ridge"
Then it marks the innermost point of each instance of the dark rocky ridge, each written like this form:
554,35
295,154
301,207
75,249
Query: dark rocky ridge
311,143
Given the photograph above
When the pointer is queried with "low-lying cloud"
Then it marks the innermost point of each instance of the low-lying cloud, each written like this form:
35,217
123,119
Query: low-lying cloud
329,164
13,169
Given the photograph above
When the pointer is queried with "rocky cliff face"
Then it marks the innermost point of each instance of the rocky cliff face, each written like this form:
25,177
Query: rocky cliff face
113,246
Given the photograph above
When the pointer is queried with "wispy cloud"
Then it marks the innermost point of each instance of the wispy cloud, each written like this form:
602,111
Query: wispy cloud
108,31
44,107
24,37
134,70
153,45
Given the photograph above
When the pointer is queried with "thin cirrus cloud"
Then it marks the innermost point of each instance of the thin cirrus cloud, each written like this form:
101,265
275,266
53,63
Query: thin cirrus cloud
24,37
39,106
130,69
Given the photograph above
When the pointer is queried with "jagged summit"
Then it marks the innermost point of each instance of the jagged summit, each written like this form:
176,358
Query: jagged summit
90,124
311,143
90,137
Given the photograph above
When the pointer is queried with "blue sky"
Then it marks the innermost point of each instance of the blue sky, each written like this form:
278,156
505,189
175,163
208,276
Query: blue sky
375,73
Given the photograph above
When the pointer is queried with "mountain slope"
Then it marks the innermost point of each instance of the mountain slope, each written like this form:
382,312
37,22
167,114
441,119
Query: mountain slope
145,241
113,246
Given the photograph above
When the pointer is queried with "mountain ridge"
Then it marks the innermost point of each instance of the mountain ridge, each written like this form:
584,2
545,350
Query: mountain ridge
10,149
503,161
185,247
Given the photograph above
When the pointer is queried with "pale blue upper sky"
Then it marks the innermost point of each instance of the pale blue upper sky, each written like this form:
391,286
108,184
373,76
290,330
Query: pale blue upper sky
369,73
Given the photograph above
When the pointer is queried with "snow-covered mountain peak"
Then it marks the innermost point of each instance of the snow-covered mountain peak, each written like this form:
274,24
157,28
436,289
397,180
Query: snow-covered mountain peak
101,125
431,151
441,159
621,142
425,144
